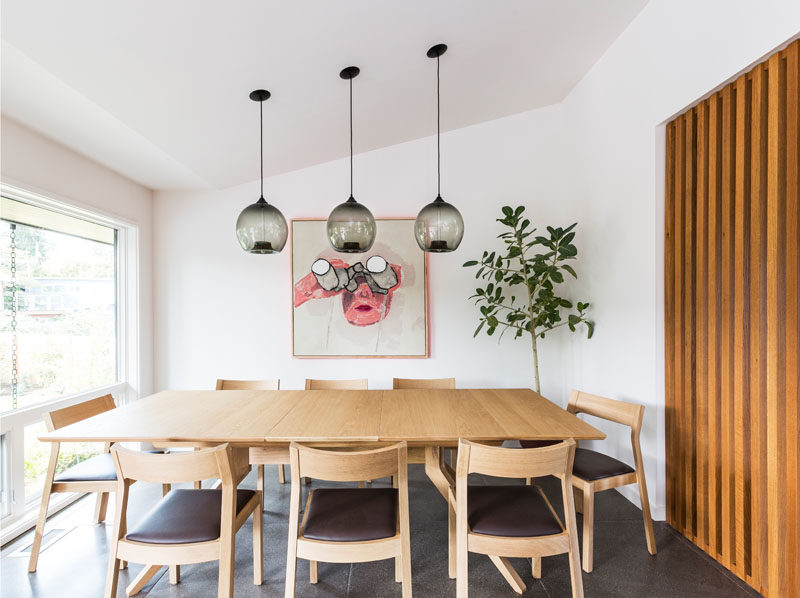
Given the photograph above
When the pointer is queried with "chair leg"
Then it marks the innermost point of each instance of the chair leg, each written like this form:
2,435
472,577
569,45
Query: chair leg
258,543
307,480
39,532
452,536
398,569
165,488
405,562
141,580
361,484
312,572
578,493
112,576
226,559
291,568
198,484
536,567
281,474
100,507
174,574
648,520
509,573
528,481
588,529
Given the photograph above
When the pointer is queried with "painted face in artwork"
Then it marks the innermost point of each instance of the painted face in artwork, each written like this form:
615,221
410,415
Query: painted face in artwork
366,290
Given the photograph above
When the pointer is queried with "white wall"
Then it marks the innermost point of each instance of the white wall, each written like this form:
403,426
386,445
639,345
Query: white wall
673,53
596,159
223,313
39,165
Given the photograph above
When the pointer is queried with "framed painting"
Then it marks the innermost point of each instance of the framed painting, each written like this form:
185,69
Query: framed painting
372,304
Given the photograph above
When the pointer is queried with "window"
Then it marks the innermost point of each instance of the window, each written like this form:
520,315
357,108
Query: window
58,342
61,334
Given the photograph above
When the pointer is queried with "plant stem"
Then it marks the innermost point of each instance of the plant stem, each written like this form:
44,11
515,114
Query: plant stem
532,331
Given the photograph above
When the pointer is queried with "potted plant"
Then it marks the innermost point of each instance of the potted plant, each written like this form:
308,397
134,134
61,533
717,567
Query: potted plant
533,266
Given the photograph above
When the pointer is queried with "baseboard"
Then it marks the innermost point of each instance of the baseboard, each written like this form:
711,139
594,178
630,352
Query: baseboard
631,492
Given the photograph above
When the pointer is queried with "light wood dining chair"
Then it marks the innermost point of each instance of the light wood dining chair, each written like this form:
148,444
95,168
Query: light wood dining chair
357,384
187,525
92,475
272,384
594,472
417,454
349,525
514,521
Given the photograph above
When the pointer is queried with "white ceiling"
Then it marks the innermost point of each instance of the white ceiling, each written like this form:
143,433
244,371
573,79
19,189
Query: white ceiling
158,90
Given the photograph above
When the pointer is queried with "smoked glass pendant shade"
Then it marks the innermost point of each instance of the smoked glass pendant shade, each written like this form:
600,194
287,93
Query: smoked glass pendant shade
261,228
351,227
439,227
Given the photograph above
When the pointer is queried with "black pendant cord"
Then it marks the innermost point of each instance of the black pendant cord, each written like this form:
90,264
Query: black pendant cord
438,137
351,139
261,141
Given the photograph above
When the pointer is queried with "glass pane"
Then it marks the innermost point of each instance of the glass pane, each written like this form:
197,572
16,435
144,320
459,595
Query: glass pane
66,324
37,456
5,480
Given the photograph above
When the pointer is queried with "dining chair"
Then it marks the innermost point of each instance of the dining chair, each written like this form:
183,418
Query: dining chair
594,472
417,454
349,525
95,474
504,521
357,384
187,525
271,384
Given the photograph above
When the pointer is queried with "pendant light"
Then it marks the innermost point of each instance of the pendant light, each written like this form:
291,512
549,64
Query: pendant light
351,227
261,228
439,226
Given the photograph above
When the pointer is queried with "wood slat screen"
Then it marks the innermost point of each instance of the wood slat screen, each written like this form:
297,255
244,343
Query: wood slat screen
732,289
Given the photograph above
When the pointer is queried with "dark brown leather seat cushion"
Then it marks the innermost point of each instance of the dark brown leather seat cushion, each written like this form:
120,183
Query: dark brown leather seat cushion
184,516
351,514
591,465
96,469
538,443
511,511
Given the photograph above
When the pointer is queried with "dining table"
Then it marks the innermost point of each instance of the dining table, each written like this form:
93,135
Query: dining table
264,422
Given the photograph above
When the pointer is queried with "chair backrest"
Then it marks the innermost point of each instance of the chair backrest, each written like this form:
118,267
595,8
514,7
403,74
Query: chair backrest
272,384
515,463
620,412
347,465
358,384
423,383
221,462
74,413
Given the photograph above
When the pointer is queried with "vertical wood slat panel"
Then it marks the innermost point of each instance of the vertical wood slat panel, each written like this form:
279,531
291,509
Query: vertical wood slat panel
792,316
740,428
726,322
732,280
714,217
701,211
775,307
758,545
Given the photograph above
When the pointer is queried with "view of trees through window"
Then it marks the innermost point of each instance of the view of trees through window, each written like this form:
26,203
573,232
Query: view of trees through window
59,322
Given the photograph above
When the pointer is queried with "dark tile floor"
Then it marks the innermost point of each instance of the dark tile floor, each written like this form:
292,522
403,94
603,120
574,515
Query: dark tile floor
75,566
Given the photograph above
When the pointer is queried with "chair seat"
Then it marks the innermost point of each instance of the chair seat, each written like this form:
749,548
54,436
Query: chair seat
184,516
591,465
351,514
538,443
511,511
95,469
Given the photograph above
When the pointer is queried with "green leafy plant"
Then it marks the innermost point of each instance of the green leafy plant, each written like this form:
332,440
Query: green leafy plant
538,264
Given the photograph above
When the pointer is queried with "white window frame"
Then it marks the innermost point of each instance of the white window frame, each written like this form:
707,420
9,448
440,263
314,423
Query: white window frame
24,510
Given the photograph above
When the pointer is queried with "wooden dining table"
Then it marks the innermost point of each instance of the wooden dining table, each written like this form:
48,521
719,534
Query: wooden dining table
265,421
